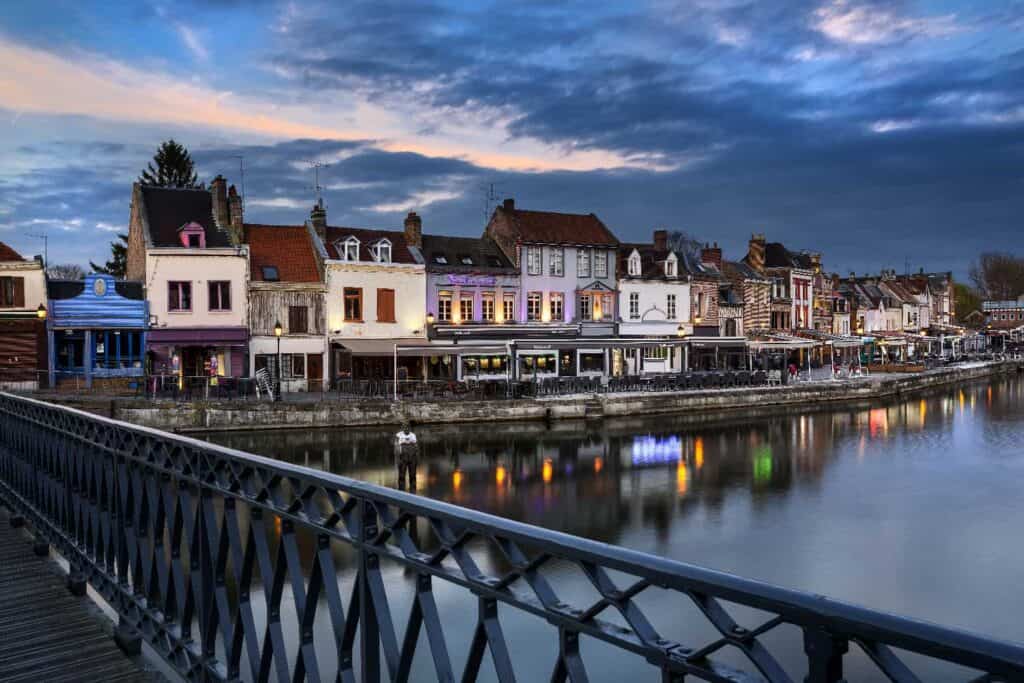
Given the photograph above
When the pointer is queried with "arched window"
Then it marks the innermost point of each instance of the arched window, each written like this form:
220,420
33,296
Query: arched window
634,264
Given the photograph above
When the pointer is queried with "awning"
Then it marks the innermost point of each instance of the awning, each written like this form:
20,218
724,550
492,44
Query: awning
414,348
198,336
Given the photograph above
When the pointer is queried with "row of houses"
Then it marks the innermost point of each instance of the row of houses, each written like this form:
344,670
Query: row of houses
537,293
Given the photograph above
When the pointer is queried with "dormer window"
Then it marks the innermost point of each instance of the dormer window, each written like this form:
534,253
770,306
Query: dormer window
441,259
192,235
671,266
634,264
465,259
348,249
382,251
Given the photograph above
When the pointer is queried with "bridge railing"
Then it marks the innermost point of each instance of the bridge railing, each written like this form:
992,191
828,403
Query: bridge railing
238,567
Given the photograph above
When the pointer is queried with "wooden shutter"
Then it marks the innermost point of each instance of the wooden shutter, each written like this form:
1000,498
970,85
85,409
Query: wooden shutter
297,320
385,305
19,292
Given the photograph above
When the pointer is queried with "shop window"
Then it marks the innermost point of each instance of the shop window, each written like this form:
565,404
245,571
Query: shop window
655,353
591,362
353,304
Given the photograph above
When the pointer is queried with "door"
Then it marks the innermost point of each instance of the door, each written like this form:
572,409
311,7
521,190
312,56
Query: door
314,371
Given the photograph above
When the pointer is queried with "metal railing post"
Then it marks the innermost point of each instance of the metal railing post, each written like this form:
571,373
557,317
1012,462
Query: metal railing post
824,655
369,629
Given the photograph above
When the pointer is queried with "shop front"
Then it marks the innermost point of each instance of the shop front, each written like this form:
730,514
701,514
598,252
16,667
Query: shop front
193,352
96,328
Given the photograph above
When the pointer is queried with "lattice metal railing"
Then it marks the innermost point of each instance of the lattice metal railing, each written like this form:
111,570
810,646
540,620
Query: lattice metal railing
234,566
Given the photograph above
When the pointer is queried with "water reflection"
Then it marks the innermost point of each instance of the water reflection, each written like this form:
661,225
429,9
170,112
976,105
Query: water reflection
910,506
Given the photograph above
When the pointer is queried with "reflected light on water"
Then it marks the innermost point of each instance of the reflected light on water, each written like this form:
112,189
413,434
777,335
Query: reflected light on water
922,410
698,452
878,422
457,480
500,475
681,478
598,465
546,471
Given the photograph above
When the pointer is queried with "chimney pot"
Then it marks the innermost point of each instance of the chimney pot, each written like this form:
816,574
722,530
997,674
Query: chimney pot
318,217
509,204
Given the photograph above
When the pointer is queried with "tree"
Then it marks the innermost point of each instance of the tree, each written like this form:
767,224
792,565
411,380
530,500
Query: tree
998,276
117,264
966,300
683,243
174,167
65,271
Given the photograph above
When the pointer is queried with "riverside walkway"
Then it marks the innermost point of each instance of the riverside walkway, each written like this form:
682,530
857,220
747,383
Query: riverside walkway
46,632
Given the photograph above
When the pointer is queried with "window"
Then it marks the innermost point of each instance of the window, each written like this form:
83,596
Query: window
586,307
533,306
220,295
382,251
12,292
600,263
466,307
557,304
487,306
298,365
353,304
179,296
298,320
194,240
634,264
582,263
655,353
349,249
634,306
670,307
270,273
700,304
607,306
444,306
495,262
533,261
557,258
671,266
465,259
385,305
441,259
509,310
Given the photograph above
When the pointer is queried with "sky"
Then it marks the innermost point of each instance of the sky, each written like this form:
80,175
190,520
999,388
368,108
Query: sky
881,134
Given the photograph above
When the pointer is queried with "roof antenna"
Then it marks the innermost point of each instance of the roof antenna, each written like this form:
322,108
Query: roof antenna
317,165
491,195
46,246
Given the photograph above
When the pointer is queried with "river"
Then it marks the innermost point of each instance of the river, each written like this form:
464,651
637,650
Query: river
913,506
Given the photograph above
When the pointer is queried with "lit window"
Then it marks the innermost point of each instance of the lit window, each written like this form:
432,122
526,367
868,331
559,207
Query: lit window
444,306
465,259
586,307
487,307
582,263
509,310
557,302
533,306
655,352
466,308
441,259
607,306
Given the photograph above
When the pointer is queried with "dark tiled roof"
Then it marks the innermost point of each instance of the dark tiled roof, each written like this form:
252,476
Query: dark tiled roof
691,264
652,263
8,254
482,251
548,227
399,249
738,270
285,247
168,209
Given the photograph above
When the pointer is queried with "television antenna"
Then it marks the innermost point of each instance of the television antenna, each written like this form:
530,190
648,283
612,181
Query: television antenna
491,196
46,245
317,165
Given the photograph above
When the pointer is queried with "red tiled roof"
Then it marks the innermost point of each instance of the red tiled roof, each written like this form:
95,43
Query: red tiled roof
8,254
399,249
287,247
549,227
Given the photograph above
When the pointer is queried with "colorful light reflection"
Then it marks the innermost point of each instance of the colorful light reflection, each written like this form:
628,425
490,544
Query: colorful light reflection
653,450
546,471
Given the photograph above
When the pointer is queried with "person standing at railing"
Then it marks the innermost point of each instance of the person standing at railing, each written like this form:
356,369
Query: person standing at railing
407,453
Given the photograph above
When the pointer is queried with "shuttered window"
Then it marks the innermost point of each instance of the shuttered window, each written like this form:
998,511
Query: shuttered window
385,305
12,292
298,320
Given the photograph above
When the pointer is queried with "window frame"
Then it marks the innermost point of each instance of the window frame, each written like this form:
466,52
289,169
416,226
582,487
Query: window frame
347,243
671,266
670,306
556,258
600,256
353,294
463,300
379,250
534,306
182,286
634,306
210,284
634,265
582,262
508,307
585,304
560,298
292,327
444,306
487,302
534,260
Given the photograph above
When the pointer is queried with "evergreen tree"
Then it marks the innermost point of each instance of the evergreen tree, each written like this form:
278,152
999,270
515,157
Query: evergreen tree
174,167
117,265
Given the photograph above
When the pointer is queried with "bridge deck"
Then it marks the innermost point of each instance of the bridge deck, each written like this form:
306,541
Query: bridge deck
46,633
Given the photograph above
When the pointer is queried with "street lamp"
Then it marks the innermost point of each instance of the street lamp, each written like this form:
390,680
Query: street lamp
430,318
277,333
41,312
681,331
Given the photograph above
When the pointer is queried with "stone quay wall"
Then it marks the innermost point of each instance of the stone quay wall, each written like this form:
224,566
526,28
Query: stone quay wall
686,406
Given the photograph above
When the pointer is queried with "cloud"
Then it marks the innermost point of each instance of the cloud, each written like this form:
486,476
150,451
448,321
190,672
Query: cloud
854,23
193,42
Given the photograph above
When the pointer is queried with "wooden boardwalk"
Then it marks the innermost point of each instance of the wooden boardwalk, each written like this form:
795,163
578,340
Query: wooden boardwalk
46,633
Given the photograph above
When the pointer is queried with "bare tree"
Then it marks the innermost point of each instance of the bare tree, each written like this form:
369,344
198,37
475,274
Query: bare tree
65,271
998,276
683,242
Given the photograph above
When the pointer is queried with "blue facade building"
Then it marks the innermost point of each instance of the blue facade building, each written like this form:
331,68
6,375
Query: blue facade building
96,328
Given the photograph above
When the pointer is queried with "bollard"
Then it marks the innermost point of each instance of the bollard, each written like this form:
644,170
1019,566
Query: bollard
128,639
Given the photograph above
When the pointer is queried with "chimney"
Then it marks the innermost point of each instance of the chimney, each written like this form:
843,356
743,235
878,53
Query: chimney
414,230
509,204
815,262
755,252
712,255
235,212
219,193
318,217
661,240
